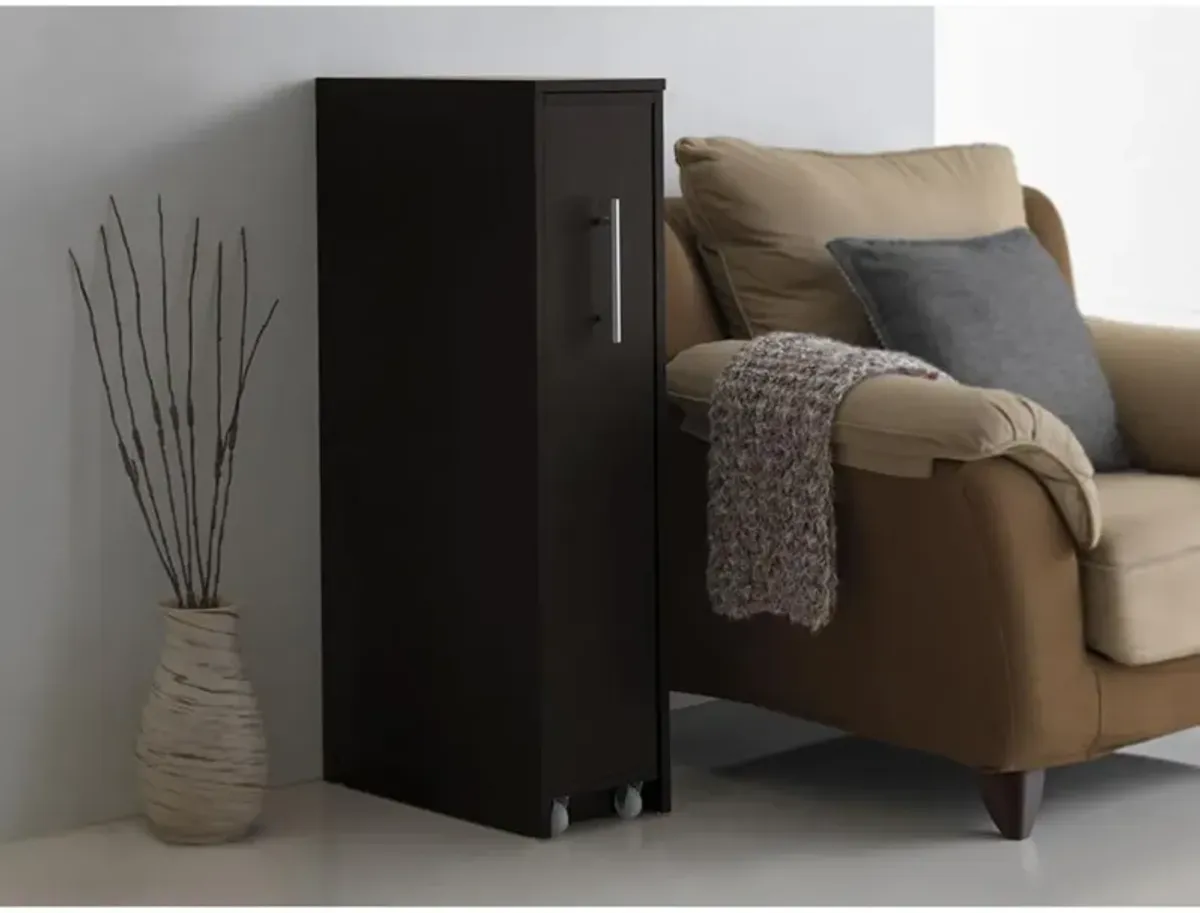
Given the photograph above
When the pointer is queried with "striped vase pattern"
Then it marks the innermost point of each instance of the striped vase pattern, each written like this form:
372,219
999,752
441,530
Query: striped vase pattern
202,752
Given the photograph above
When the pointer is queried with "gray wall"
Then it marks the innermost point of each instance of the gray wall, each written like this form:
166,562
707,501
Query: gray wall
212,107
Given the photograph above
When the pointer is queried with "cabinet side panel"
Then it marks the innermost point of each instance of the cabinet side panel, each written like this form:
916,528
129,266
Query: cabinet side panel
427,220
658,797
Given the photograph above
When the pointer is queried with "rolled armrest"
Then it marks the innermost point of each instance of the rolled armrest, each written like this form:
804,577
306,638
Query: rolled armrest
1154,373
900,426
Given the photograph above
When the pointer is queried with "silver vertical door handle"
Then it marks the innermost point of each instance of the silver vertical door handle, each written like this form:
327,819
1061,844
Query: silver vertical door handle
614,221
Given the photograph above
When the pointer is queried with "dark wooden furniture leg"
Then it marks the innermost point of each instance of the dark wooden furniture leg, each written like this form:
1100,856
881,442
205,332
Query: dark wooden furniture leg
1013,800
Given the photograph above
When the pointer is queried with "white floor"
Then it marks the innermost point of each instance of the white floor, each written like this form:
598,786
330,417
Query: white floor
842,821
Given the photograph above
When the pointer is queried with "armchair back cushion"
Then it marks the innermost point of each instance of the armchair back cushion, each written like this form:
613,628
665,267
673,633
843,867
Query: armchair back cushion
763,216
693,315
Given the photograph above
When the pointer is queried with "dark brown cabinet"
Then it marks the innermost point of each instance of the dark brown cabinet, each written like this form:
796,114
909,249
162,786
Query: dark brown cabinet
491,403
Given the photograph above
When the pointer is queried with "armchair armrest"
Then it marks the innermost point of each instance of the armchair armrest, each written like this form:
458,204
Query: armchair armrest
900,426
1154,373
960,592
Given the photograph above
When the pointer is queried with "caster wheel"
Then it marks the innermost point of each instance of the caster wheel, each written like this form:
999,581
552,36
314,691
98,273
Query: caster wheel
627,801
560,817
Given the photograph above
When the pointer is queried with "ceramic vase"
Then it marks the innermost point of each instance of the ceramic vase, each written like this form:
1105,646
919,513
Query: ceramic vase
201,752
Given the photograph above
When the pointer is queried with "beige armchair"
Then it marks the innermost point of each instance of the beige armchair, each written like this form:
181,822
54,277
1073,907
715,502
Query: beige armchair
999,604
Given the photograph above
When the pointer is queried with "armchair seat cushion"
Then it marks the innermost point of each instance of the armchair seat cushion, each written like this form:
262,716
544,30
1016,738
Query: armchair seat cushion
1141,584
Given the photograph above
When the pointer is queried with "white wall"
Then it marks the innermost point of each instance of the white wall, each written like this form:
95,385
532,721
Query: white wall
1100,107
212,107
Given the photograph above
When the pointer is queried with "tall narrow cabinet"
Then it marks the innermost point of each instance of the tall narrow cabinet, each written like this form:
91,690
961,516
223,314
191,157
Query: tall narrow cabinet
491,376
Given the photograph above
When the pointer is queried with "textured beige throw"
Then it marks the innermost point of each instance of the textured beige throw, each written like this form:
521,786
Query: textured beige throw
771,535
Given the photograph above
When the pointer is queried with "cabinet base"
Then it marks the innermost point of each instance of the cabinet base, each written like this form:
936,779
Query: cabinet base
525,819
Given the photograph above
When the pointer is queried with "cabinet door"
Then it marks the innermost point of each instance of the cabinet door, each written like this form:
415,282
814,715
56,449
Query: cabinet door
596,379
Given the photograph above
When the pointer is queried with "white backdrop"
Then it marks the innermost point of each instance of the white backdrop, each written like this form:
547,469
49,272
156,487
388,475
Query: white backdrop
1100,106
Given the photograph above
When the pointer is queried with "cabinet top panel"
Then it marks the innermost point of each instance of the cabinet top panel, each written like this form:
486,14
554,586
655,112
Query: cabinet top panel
536,83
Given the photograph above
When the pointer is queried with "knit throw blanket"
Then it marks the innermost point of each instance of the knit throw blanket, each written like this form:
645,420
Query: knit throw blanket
771,535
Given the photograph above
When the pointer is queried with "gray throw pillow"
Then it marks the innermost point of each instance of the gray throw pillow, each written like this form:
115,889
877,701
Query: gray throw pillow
993,311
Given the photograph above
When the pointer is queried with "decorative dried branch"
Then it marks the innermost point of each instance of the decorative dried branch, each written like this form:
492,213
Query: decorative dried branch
206,594
136,435
196,581
126,463
185,550
190,404
155,406
232,435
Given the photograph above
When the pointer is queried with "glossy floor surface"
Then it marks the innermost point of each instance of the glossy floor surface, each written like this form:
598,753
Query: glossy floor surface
757,820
